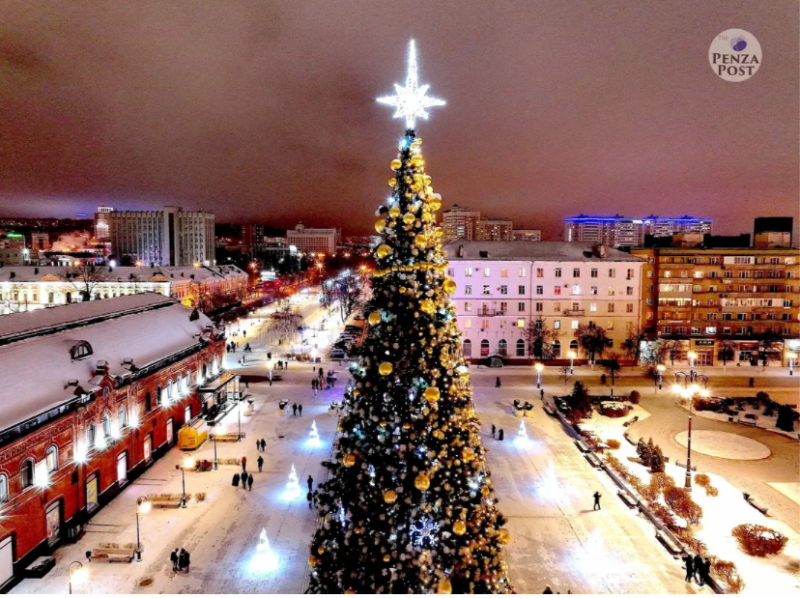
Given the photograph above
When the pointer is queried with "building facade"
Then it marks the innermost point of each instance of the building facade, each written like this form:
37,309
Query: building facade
620,231
506,288
313,240
773,231
102,406
170,237
102,226
494,229
460,223
727,305
27,288
526,234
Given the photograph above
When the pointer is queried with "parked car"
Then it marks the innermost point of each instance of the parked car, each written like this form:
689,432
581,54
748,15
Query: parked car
338,354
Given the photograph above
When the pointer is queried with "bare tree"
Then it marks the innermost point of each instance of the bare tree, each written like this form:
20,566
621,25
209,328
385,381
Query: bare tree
593,340
541,339
726,347
286,321
565,372
348,296
634,336
85,277
612,366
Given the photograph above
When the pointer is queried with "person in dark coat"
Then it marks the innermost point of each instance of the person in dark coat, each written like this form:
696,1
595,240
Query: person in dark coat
263,444
260,462
310,483
250,482
235,479
244,464
173,557
183,560
294,408
494,430
698,567
497,382
310,499
300,409
501,434
258,444
705,572
688,562
541,394
597,496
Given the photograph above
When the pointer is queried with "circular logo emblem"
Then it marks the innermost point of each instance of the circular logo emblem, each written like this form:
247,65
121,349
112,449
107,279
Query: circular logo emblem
735,55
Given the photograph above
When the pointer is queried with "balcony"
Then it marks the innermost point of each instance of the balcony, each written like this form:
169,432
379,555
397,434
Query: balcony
488,313
578,313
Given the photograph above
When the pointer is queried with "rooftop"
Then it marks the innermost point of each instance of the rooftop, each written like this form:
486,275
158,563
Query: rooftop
122,273
552,251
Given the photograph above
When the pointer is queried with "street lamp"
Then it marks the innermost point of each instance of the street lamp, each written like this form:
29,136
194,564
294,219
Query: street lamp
572,356
188,463
660,371
142,506
792,357
77,574
688,391
538,367
692,357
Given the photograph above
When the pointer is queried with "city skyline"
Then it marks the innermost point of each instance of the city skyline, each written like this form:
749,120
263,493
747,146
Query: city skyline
575,132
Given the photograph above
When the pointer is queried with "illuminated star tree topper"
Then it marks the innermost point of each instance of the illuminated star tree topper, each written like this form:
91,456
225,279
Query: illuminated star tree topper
410,101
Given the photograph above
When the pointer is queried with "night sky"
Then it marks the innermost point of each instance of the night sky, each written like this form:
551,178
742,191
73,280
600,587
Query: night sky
265,111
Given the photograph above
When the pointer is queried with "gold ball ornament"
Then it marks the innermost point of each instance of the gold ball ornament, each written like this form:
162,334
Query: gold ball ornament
468,454
349,591
459,528
380,225
375,318
409,218
394,212
420,241
349,460
504,536
450,286
321,550
444,586
427,306
432,394
396,164
312,561
435,204
383,251
422,482
392,182
389,497
385,368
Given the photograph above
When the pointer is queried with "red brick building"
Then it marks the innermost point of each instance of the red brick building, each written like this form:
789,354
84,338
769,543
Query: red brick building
90,395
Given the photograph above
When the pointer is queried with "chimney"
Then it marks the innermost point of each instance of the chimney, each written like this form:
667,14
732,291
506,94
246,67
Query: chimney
102,367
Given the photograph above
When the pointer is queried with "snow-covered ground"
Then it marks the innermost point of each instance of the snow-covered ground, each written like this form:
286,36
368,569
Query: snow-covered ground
777,575
765,422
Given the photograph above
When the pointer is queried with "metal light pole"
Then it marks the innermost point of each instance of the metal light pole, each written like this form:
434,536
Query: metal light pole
77,574
188,463
572,362
792,357
239,416
688,391
142,506
660,369
539,367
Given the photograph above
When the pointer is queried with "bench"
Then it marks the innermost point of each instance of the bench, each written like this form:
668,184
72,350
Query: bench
548,410
744,423
593,460
582,447
112,555
165,501
762,509
628,498
669,541
227,437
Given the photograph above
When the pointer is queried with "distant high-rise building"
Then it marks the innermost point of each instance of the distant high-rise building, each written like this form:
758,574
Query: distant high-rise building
313,240
40,241
772,232
460,223
620,231
170,237
494,229
102,232
526,234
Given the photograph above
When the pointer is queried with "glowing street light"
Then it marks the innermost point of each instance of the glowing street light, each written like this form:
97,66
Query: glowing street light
791,357
660,371
689,390
188,463
77,574
538,367
572,356
692,357
142,507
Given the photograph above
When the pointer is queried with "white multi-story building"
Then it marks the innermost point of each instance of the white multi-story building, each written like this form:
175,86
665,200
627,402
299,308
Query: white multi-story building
313,240
504,288
460,223
170,237
102,230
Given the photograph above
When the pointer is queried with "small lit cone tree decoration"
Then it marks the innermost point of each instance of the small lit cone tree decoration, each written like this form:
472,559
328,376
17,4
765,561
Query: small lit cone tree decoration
409,505
313,438
292,486
522,434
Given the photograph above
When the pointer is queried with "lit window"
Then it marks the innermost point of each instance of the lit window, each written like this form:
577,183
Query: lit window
539,272
520,323
486,290
487,272
611,308
556,324
612,272
503,272
593,307
467,323
522,272
3,488
574,324
557,291
629,308
467,306
468,289
467,271
52,459
593,290
576,289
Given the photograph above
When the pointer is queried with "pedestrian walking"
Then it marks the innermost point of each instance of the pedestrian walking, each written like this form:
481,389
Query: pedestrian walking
260,463
688,563
294,408
250,482
698,567
263,444
497,382
258,444
244,464
597,496
494,430
235,481
269,355
310,499
310,483
501,435
300,409
541,394
247,385
705,572
186,561
173,557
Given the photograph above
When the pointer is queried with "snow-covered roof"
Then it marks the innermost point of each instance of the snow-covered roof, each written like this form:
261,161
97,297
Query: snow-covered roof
23,274
35,372
553,251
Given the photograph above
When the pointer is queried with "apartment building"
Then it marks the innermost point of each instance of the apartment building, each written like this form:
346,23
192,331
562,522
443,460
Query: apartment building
725,304
526,234
494,229
504,288
621,231
170,237
460,223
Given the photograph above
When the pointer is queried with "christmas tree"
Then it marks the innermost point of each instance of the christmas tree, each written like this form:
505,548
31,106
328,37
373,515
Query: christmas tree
409,505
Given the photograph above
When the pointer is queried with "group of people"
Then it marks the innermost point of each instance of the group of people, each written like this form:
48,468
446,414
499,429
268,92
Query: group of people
261,445
231,347
697,569
297,407
499,434
180,560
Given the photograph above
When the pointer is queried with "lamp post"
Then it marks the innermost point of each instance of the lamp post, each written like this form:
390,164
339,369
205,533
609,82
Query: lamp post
142,506
572,356
77,574
791,357
692,357
188,463
660,371
539,367
239,418
688,391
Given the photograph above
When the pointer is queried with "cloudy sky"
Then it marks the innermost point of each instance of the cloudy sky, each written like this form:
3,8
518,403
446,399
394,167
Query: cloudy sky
265,111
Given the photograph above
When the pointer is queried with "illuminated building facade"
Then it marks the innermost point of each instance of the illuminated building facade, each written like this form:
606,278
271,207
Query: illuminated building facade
620,231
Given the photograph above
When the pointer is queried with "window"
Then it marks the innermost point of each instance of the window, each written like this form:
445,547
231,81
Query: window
611,308
122,417
82,349
26,474
148,402
484,348
556,324
630,273
557,307
467,271
52,459
667,329
91,436
503,272
539,290
741,316
576,289
3,488
574,324
170,390
557,291
539,272
787,302
467,306
629,290
467,323
487,272
593,307
522,272
650,315
629,308
504,306
521,307
558,273
468,289
593,273
106,426
486,290
502,347
612,272
484,324
504,289
467,348
502,323
576,272
593,290
610,291
160,391
520,323
521,289
539,306
555,348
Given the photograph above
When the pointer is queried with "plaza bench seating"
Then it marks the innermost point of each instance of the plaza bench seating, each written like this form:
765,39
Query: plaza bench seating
628,498
227,437
165,501
746,423
753,503
582,446
670,542
112,553
593,460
